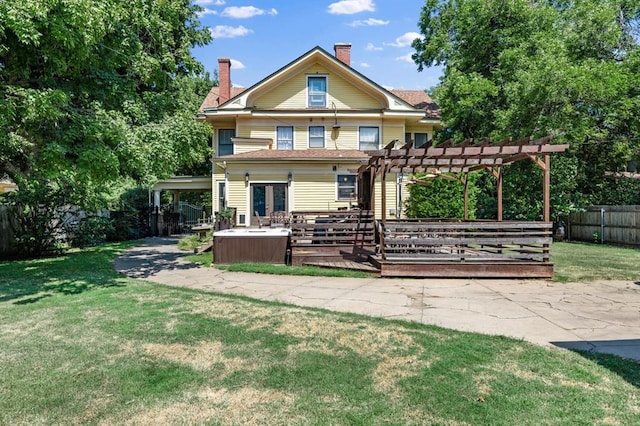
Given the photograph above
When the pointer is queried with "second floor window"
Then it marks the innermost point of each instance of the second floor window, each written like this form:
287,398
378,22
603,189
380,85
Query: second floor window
369,138
316,136
421,140
284,137
317,91
225,145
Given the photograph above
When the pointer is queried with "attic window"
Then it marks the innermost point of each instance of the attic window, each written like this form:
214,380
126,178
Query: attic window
317,91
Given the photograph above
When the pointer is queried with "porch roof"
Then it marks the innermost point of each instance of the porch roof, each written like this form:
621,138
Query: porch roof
184,183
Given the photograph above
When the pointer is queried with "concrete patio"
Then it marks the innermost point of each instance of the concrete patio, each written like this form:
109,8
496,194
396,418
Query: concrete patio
596,316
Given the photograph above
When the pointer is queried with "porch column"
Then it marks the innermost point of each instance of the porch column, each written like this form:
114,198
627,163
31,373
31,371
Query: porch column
176,201
156,199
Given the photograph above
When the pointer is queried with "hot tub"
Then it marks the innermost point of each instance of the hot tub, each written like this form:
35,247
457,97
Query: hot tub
270,245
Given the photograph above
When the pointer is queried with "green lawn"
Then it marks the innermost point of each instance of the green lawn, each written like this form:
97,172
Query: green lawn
81,345
579,262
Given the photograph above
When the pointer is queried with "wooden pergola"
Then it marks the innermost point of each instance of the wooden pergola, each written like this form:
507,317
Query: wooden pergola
460,248
460,159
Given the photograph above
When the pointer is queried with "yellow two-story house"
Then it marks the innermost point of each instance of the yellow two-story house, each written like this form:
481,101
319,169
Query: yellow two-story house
295,140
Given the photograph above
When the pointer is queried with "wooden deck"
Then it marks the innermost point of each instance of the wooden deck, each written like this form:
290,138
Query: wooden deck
331,236
422,247
364,266
453,248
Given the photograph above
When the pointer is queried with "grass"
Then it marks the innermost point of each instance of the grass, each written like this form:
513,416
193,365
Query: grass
80,344
206,259
580,262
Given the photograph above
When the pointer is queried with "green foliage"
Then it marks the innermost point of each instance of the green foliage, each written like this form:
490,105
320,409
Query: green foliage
440,199
531,68
92,93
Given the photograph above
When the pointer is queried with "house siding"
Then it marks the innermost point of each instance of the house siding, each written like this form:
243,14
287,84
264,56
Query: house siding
292,93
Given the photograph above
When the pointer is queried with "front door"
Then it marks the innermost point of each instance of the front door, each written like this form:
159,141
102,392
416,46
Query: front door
267,198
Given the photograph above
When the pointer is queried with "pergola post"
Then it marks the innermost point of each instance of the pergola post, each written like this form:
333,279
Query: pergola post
383,196
499,185
465,181
546,197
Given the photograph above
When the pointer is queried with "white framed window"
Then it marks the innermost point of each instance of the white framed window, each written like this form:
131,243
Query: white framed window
316,136
369,138
347,187
225,145
284,137
317,91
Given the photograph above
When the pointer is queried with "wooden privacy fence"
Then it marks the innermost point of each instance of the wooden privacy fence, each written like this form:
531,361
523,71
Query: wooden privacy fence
606,224
454,241
331,235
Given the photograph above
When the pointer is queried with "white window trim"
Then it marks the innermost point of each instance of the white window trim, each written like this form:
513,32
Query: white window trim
355,188
293,138
326,91
233,145
369,127
324,137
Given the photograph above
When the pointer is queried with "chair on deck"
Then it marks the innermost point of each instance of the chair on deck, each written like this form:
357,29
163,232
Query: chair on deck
261,221
280,218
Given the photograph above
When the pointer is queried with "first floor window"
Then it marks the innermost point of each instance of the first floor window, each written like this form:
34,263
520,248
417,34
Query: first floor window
369,138
222,196
347,187
284,137
316,137
225,145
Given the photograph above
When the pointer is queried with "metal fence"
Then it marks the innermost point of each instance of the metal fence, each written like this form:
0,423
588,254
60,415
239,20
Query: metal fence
606,224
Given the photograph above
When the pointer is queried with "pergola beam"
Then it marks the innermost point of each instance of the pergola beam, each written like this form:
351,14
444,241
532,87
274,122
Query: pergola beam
462,159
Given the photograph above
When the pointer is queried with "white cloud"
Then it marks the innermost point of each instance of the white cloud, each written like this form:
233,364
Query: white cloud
364,65
405,58
225,31
371,48
405,40
209,2
371,22
207,11
244,12
349,7
236,64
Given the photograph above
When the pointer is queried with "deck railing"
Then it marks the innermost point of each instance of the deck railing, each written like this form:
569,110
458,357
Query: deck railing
457,241
331,234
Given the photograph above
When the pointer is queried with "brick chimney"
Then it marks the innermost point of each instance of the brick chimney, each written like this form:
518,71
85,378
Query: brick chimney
224,80
343,52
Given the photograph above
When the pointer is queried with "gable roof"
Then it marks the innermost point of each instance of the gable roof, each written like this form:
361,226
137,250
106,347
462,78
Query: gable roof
395,99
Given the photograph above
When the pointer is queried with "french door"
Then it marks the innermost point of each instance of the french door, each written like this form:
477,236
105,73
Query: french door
267,198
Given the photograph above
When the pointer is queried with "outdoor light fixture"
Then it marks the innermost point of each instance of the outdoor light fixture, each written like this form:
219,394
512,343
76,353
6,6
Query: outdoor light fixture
246,178
289,177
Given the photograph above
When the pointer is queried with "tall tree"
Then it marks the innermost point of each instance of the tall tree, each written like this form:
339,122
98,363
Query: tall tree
537,67
93,92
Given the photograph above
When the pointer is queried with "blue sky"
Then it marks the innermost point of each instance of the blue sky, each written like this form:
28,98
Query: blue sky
261,36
